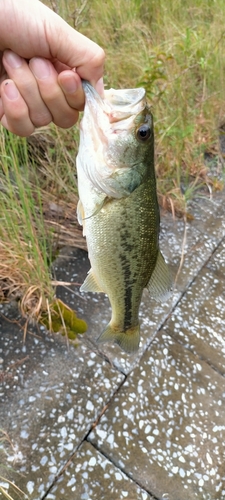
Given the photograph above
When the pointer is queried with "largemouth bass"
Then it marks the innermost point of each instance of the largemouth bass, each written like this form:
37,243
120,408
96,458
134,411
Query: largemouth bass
118,207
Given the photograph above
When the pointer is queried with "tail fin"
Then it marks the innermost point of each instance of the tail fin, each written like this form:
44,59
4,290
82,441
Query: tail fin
128,341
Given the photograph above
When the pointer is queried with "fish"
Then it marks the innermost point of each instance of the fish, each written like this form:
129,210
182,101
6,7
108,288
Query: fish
118,208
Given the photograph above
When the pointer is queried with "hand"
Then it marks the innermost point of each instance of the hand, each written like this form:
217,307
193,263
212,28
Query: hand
38,54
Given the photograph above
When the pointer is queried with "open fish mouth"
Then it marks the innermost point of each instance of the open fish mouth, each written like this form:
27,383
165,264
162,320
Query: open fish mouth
125,97
116,104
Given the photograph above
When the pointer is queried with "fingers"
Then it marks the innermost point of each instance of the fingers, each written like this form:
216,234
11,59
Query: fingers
70,84
18,70
63,106
35,94
14,114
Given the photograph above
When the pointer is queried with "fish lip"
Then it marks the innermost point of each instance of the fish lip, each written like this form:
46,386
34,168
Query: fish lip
117,104
125,98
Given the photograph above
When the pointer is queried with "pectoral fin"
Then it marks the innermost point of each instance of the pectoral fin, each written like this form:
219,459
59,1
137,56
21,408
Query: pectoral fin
90,284
80,212
81,216
160,283
98,208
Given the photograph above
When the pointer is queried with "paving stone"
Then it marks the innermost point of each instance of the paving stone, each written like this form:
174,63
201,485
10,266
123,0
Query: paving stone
209,215
217,261
166,425
50,396
91,476
198,321
180,240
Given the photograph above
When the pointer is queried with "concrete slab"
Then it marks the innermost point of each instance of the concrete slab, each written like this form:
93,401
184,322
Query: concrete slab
217,261
198,321
209,215
90,476
166,426
186,241
50,396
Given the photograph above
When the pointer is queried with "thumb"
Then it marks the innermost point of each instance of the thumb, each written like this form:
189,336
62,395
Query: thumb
72,48
31,29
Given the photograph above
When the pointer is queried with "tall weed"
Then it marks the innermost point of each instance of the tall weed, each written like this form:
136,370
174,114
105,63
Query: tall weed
25,248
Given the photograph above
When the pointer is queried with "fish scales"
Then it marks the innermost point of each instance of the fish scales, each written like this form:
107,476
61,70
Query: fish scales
119,257
120,213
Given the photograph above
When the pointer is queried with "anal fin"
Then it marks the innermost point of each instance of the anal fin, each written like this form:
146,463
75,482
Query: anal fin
160,283
90,284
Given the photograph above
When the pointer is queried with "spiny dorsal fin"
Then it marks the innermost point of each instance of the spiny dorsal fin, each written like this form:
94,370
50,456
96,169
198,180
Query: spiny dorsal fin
90,284
160,283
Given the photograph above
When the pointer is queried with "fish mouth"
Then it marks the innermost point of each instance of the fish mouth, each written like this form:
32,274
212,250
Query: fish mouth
117,104
125,98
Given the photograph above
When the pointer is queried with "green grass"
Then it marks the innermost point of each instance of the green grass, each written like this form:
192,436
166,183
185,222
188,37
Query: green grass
37,185
176,51
24,246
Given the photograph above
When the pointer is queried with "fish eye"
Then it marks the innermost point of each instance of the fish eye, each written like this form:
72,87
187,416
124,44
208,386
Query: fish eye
143,132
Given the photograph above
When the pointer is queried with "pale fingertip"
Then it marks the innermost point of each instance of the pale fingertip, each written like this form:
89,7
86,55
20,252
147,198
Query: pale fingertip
67,122
69,85
12,59
22,128
12,111
10,90
40,67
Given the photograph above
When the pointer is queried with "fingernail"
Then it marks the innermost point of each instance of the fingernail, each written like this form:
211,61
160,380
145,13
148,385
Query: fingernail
12,59
11,91
99,86
69,85
40,67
